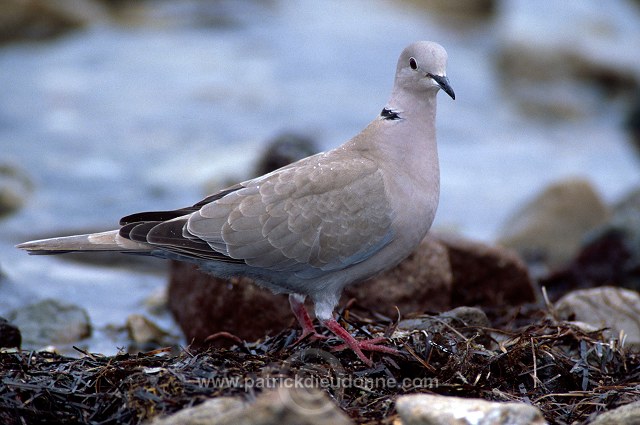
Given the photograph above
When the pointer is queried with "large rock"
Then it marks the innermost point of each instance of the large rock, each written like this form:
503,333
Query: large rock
551,227
282,406
422,282
610,255
42,19
426,409
444,272
50,322
202,414
464,9
626,221
629,414
632,122
606,307
281,150
284,149
489,276
203,305
15,187
554,72
467,320
9,334
143,332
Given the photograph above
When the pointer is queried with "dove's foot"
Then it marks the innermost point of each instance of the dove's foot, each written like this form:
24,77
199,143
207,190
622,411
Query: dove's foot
358,346
300,311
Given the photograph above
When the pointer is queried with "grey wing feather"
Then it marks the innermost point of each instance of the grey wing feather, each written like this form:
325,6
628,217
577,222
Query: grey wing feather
327,215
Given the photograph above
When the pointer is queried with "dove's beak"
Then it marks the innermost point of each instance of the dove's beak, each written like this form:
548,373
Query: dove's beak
443,82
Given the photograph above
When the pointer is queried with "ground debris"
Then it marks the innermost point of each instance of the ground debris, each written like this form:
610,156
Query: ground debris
571,375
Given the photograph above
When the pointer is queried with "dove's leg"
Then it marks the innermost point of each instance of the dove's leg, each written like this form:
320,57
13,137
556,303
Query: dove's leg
356,345
300,311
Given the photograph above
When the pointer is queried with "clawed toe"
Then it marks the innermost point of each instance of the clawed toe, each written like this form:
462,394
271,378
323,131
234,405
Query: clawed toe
312,335
369,345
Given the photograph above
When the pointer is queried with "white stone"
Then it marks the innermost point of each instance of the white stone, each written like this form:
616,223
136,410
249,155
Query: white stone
426,409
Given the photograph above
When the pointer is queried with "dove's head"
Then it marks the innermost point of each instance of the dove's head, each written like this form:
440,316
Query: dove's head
422,66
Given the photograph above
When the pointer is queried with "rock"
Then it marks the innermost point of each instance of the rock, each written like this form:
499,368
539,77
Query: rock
626,220
426,409
605,307
202,414
143,331
203,305
15,187
632,123
610,254
9,335
471,9
282,406
629,414
563,74
50,322
42,19
603,261
157,303
421,282
10,202
551,227
490,276
279,151
283,150
458,318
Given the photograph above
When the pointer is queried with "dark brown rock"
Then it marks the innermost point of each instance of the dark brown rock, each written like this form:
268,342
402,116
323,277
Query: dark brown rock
9,335
203,305
605,260
422,282
488,276
610,256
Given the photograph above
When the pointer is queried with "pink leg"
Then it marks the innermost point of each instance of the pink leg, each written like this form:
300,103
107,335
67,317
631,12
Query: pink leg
300,311
356,345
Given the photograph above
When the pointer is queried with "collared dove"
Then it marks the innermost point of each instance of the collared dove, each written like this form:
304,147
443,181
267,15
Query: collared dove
312,227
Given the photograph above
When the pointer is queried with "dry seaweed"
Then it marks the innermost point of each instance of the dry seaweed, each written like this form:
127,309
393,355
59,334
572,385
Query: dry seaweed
568,373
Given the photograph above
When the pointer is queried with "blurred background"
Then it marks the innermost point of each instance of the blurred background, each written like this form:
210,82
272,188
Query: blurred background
112,107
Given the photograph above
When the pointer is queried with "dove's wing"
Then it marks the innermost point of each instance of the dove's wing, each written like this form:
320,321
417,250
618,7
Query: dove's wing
323,214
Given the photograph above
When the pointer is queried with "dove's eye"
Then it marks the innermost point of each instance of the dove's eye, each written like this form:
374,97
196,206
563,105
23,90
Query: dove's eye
413,64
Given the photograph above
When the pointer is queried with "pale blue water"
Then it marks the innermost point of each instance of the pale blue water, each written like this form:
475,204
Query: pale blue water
112,120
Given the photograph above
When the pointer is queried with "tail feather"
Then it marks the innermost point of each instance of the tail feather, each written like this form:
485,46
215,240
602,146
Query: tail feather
105,241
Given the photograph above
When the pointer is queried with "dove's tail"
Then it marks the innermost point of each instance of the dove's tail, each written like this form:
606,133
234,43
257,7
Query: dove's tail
105,241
